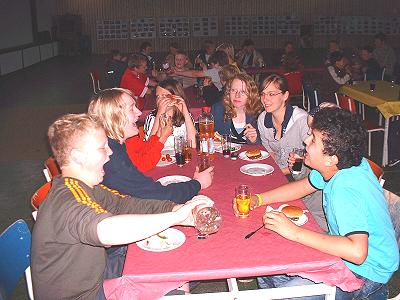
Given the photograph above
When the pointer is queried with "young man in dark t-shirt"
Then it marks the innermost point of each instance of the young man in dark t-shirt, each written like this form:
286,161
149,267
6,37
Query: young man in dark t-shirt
80,218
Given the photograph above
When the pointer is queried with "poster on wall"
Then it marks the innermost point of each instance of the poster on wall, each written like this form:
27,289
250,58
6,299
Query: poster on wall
263,25
143,28
112,30
237,25
287,25
171,27
204,26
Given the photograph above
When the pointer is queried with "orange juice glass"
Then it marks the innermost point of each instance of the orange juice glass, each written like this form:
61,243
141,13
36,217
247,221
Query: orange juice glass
242,200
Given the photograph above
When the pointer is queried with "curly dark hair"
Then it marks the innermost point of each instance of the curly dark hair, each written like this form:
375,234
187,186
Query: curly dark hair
343,135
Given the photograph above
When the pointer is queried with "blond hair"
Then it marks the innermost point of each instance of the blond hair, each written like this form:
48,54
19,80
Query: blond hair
66,132
109,108
227,48
253,104
228,72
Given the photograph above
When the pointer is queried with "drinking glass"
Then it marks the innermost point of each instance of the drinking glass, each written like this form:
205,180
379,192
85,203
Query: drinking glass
187,151
242,200
203,161
299,157
226,145
179,143
372,86
207,221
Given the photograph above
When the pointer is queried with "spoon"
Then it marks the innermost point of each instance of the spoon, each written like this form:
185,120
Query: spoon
253,232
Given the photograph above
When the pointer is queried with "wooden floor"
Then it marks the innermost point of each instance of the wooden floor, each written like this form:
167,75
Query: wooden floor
30,100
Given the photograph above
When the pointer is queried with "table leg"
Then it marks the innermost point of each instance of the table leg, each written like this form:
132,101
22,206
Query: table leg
385,143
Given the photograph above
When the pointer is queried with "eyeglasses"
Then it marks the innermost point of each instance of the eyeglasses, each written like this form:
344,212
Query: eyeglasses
270,94
237,92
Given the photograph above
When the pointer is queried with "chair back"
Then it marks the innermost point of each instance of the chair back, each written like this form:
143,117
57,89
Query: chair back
51,168
377,170
345,102
95,81
294,82
39,195
311,95
15,253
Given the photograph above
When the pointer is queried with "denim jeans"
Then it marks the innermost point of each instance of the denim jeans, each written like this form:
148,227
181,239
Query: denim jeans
370,290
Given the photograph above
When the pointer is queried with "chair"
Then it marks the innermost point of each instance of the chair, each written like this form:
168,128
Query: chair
294,84
377,170
311,96
51,169
39,195
95,81
15,248
348,103
381,77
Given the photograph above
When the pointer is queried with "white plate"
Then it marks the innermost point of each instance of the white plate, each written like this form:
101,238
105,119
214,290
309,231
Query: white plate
164,241
303,219
173,179
256,169
164,163
234,147
264,155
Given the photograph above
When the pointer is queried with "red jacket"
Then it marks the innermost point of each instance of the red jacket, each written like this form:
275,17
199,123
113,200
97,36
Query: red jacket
144,154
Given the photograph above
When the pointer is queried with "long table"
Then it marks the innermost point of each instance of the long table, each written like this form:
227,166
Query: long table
279,70
385,97
226,254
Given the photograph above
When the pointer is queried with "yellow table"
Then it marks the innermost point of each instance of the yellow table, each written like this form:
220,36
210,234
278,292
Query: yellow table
385,97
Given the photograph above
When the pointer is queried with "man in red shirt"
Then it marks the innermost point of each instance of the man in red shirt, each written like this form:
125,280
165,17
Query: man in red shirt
136,80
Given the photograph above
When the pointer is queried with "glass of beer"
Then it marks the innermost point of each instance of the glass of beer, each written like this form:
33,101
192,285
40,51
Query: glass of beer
187,150
178,147
203,161
299,157
242,200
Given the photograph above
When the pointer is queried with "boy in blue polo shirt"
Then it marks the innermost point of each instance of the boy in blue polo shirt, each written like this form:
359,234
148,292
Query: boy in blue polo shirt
360,228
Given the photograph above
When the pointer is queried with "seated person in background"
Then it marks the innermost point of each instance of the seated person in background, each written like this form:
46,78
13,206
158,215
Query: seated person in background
290,50
290,63
370,65
237,113
170,58
336,75
360,228
135,78
229,50
115,68
384,54
171,106
116,110
248,56
333,46
181,64
281,126
217,60
202,59
80,218
147,50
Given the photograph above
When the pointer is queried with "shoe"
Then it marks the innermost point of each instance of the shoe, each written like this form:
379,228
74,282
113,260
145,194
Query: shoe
393,162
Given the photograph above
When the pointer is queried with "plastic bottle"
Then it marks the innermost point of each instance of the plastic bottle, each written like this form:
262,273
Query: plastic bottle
206,128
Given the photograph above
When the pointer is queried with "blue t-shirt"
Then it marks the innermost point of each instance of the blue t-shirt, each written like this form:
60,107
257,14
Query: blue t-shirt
354,202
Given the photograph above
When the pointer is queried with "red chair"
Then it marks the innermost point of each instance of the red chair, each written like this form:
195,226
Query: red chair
39,195
51,169
295,85
95,81
348,103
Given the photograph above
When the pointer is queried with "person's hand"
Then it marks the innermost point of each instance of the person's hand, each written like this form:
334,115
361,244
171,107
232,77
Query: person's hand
154,73
207,81
165,128
291,160
180,103
162,104
278,222
204,178
250,133
188,210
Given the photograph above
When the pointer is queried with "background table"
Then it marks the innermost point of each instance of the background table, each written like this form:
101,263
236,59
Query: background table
226,254
385,97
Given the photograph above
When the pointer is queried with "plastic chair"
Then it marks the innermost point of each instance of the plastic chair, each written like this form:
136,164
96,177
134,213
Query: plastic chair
51,169
377,170
294,84
95,81
311,96
381,78
39,195
15,253
348,103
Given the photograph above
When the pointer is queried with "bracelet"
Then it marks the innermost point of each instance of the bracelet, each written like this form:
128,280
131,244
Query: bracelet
260,200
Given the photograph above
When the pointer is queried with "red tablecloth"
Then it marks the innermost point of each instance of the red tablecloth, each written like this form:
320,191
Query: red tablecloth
226,254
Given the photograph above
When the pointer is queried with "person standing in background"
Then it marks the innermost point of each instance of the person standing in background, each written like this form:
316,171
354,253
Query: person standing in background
384,54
